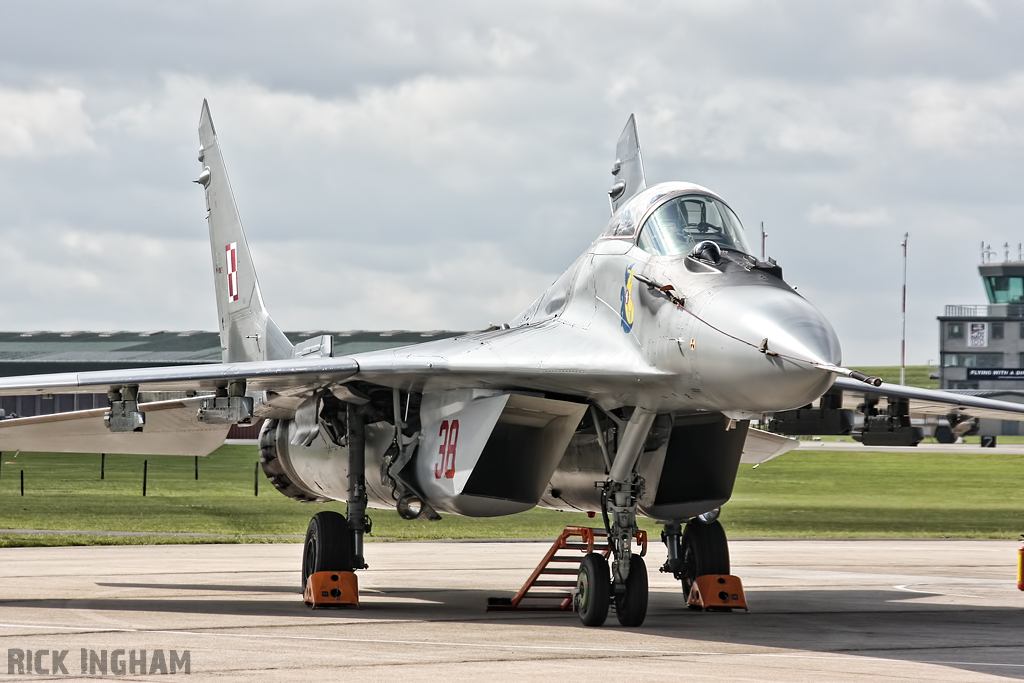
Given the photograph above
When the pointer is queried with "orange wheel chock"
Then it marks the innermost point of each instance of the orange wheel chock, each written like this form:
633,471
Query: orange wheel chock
717,592
332,589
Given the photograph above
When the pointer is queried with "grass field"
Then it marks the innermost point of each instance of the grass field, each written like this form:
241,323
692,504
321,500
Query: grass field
801,494
870,494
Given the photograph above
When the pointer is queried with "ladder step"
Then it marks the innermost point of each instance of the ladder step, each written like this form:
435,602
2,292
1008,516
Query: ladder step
555,584
574,557
563,571
545,596
531,608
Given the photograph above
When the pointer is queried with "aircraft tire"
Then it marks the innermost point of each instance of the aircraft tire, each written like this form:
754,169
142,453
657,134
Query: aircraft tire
328,546
631,605
593,586
705,550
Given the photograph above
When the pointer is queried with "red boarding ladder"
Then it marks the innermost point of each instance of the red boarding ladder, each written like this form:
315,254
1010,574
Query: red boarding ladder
566,567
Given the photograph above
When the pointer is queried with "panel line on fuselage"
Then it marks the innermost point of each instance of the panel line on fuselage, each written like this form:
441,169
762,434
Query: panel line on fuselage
616,312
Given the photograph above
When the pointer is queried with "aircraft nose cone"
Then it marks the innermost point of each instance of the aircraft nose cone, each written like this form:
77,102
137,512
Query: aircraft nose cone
741,378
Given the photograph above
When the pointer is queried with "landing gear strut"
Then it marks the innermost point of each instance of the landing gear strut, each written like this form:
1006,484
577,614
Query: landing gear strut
357,497
628,576
334,544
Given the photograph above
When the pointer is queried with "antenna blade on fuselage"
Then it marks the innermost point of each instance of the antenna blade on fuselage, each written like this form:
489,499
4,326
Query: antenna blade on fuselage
628,169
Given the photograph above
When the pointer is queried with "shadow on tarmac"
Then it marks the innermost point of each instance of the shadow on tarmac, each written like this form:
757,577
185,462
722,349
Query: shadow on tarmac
887,624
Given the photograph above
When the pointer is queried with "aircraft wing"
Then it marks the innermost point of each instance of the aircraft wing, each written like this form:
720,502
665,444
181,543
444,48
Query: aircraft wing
930,401
495,359
171,429
576,363
280,376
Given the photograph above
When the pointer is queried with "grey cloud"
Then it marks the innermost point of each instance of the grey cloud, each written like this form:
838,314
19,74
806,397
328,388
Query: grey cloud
408,143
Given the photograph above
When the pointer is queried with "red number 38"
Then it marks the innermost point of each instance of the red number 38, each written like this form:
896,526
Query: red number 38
446,453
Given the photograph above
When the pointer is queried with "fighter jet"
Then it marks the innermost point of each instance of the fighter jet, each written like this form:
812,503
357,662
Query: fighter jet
627,388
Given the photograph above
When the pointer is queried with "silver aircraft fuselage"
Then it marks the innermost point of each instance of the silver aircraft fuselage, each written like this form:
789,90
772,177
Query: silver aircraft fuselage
677,335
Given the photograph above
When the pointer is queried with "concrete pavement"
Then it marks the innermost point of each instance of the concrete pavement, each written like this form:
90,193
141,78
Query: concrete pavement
820,610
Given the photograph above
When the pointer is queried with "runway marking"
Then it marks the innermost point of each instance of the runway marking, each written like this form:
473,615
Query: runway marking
71,628
911,590
904,587
505,646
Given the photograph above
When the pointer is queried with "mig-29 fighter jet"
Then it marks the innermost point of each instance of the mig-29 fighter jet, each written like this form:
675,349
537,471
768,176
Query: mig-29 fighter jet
625,389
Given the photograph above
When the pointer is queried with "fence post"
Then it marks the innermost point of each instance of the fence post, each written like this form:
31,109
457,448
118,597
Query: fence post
256,480
23,482
197,468
103,465
145,473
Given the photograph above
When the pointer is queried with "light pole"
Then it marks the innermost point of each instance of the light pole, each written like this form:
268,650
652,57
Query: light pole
903,335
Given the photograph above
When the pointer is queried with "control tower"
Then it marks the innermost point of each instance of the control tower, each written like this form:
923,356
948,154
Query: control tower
981,346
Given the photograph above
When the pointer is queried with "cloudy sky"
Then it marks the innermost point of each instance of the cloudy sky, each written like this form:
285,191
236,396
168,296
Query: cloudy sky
436,165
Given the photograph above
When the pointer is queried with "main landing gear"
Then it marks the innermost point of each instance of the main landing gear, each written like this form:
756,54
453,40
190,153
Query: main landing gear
333,548
701,548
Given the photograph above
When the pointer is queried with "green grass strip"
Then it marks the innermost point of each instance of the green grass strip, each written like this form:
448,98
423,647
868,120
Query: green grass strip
801,494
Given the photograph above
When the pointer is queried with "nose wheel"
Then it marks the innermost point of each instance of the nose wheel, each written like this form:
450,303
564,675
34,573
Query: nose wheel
594,592
631,603
593,584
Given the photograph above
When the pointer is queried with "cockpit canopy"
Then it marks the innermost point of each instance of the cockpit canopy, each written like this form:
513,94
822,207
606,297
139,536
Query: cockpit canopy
674,218
684,221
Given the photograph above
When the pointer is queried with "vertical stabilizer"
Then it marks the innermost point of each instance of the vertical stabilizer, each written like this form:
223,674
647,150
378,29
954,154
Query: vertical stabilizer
247,332
628,168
